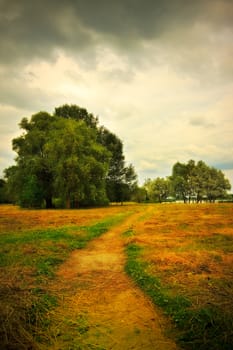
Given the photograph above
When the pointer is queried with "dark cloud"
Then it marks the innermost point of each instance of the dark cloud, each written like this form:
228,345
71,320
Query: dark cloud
36,29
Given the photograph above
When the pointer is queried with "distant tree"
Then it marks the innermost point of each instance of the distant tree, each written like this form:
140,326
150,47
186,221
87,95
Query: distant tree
193,181
158,189
217,185
128,184
178,179
202,180
139,194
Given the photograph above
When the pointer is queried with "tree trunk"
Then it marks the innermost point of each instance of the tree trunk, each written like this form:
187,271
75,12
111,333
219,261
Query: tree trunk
68,203
76,204
48,202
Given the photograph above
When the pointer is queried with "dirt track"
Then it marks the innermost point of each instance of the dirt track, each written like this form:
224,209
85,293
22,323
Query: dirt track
100,300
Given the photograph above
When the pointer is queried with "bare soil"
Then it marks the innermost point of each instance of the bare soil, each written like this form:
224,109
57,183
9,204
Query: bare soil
102,308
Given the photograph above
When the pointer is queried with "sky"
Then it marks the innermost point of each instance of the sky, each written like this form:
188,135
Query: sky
157,73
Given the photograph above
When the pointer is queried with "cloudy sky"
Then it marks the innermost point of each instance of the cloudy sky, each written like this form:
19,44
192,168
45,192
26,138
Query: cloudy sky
158,73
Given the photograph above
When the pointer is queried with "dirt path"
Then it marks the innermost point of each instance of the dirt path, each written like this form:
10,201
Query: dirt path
103,304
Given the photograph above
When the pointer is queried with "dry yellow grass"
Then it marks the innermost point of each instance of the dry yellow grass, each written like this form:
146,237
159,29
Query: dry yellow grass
12,218
190,248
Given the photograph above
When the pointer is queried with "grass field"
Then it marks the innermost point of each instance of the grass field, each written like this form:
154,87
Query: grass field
180,255
182,258
32,246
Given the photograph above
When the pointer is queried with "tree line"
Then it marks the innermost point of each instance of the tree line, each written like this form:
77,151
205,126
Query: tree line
66,159
194,182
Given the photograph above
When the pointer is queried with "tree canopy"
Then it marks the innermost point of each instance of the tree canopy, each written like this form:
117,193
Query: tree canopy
66,157
189,182
198,181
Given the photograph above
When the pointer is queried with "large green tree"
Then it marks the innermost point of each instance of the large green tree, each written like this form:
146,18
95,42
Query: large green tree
69,157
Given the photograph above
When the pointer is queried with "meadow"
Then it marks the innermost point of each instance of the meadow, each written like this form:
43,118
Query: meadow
179,255
182,258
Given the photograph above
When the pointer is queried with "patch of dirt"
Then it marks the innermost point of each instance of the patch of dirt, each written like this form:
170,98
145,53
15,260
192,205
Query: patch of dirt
102,308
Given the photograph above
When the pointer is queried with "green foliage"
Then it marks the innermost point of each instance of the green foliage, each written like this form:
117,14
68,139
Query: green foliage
80,163
158,189
3,191
32,178
193,181
139,194
121,180
76,113
67,157
189,182
31,194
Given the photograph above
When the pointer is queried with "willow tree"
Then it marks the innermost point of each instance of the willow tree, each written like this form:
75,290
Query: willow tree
57,158
80,163
121,179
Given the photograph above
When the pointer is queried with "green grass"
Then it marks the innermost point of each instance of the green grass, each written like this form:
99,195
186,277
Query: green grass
128,233
48,248
137,269
199,329
28,262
